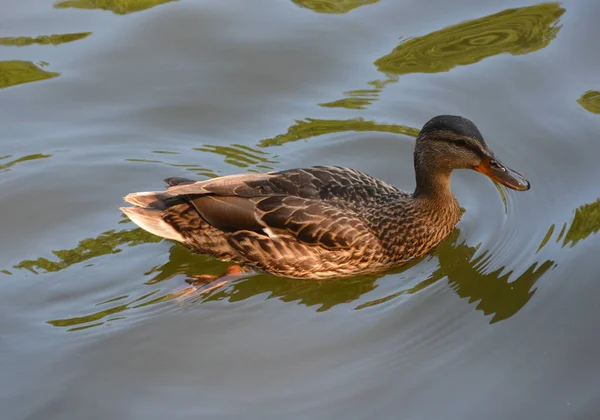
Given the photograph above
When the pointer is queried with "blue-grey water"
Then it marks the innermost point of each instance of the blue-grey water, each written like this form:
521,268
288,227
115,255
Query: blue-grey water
99,98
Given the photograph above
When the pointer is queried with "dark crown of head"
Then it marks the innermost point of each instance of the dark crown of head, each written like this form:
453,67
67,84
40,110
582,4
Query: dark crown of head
457,125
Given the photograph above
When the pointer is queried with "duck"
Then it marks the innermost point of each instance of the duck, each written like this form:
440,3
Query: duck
324,222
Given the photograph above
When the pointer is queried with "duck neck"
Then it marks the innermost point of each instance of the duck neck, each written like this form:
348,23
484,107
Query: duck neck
433,181
435,197
433,185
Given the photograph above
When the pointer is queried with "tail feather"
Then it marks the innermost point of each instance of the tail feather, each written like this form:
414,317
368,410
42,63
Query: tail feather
150,219
147,199
175,180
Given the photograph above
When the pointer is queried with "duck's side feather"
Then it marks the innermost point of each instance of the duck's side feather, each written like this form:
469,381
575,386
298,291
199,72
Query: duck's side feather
310,222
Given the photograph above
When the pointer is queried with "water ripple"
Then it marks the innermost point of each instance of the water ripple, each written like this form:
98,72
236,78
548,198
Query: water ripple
16,72
118,7
513,31
590,101
333,6
22,41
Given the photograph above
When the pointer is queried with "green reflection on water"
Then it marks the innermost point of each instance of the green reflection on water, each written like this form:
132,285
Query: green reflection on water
198,170
16,72
238,155
495,293
182,261
241,156
361,98
77,322
546,238
22,41
119,7
304,129
349,103
7,165
585,223
106,243
356,99
333,6
590,101
514,31
562,232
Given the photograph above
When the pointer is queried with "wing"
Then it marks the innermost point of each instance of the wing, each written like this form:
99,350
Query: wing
329,183
308,221
316,206
311,222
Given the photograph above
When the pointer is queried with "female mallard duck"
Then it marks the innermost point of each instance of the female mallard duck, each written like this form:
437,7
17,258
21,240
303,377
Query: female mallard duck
324,221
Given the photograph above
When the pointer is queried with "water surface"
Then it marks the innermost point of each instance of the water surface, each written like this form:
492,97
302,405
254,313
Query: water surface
103,98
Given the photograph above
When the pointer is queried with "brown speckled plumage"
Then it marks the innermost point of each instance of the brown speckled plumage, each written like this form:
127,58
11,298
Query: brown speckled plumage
323,221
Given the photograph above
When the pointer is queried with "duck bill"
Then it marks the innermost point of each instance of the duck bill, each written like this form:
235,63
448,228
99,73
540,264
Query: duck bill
503,175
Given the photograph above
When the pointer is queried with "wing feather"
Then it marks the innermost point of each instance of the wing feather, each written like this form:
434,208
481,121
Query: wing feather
338,185
318,206
312,222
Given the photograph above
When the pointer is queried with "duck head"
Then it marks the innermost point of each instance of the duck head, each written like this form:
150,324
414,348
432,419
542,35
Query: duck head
449,142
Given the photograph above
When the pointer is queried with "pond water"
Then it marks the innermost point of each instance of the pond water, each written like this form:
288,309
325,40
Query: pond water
100,98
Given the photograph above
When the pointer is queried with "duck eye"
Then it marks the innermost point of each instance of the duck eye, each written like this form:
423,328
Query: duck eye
495,164
460,143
